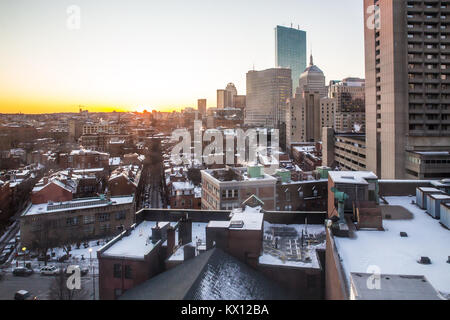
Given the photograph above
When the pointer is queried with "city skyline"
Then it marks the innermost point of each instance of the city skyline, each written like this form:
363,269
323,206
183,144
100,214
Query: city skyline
121,60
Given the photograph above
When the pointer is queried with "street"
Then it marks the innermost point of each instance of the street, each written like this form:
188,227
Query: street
37,285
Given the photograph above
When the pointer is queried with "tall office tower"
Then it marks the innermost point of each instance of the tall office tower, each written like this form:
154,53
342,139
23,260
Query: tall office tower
225,97
350,114
267,93
201,106
222,98
407,58
290,51
310,109
239,101
313,79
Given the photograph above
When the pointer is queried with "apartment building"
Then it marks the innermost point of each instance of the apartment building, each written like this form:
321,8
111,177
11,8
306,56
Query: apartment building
407,60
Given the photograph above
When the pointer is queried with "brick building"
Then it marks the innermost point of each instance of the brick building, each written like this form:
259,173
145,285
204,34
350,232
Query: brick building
50,224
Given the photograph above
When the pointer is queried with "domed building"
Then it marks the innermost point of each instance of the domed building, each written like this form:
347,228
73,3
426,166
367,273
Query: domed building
312,79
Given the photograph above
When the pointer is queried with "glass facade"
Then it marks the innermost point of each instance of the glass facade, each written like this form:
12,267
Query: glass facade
290,51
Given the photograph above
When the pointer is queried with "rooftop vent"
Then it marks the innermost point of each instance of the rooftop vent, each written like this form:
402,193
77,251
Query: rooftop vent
237,224
425,260
403,234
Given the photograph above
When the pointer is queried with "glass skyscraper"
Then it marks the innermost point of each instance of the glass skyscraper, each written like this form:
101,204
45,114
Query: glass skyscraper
290,51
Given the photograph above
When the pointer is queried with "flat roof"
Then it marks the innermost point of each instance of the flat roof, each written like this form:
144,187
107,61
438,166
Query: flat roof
393,254
352,177
439,196
137,244
76,204
428,189
392,287
273,257
252,218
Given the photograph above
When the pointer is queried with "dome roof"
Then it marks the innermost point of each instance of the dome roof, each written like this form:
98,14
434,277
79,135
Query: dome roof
311,69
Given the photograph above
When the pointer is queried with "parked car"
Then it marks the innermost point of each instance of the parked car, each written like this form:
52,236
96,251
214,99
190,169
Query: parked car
22,272
22,295
49,271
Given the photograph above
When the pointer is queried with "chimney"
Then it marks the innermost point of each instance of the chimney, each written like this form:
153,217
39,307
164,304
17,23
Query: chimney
185,231
45,180
69,175
170,241
189,252
156,233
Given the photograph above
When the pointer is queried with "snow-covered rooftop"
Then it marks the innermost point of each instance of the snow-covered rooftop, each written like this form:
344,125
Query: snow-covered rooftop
137,244
252,218
76,204
274,257
353,177
393,254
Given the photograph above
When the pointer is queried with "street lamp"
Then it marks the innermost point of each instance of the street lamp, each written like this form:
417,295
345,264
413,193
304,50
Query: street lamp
93,276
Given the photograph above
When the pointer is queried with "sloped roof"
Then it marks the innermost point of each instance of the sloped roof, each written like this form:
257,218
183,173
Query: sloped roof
213,275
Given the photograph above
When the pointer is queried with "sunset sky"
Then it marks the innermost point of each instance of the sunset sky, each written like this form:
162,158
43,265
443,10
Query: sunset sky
164,55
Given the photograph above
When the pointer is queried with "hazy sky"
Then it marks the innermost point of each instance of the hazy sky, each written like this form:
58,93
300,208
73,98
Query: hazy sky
136,54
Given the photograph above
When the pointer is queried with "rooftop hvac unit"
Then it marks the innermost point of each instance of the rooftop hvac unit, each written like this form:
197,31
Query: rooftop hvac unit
237,224
425,260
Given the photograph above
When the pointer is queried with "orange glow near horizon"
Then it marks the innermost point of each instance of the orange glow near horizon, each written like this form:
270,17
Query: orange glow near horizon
12,106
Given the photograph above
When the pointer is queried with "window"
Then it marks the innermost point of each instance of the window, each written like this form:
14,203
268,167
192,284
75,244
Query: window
88,219
128,274
72,221
121,215
117,270
103,217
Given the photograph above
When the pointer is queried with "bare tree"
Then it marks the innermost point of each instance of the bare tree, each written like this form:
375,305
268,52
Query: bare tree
59,289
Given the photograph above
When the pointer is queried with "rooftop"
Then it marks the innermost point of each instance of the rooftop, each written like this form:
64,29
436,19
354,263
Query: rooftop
394,254
137,244
213,275
289,251
76,204
393,287
352,177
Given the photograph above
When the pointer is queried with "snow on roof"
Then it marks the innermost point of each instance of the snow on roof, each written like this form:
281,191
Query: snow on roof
137,244
353,177
314,229
115,161
184,185
305,148
77,204
251,217
440,196
393,254
86,151
218,224
198,192
428,189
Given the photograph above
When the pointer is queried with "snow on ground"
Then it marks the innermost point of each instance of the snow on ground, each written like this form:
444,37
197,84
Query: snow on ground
78,257
393,254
